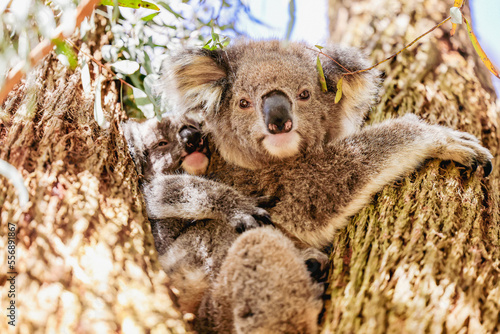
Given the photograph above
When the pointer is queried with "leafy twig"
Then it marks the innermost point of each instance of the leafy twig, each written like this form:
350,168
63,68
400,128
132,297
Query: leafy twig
389,58
43,48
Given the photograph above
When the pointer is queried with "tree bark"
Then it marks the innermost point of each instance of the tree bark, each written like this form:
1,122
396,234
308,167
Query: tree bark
85,256
424,256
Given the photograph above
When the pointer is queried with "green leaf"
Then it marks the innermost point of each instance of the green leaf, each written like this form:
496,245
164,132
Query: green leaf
11,173
131,4
149,82
62,47
215,37
338,95
168,8
480,51
321,75
149,17
143,103
291,20
319,47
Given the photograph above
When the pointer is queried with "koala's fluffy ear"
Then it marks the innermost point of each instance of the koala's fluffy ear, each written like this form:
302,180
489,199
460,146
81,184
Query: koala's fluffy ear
359,91
198,78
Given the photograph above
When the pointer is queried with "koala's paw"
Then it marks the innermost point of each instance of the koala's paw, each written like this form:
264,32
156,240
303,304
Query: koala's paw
465,149
249,219
317,264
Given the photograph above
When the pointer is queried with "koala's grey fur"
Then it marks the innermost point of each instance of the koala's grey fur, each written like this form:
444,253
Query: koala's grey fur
217,80
324,168
245,298
194,224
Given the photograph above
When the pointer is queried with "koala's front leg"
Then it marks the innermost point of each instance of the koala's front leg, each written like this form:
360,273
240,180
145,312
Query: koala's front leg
320,193
196,198
399,145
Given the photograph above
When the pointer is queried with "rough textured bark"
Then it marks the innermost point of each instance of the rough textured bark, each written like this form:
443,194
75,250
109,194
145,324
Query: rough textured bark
425,255
86,261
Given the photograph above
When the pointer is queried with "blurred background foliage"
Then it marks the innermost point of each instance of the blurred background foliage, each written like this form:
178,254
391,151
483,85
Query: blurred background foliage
142,38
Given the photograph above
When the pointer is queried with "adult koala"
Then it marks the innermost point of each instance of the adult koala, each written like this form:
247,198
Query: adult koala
263,101
279,135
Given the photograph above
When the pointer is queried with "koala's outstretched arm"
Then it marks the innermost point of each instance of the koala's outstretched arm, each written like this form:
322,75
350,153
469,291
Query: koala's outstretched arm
318,193
196,198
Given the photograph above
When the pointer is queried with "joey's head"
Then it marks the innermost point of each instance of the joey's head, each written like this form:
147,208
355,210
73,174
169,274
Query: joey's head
263,100
168,146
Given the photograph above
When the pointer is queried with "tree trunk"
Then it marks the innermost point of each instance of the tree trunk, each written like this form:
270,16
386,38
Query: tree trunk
425,255
85,257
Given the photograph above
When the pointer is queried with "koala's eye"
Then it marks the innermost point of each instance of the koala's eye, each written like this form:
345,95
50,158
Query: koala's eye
304,95
162,143
244,104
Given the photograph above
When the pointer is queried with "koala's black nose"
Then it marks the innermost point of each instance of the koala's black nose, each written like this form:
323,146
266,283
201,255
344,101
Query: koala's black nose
277,112
191,137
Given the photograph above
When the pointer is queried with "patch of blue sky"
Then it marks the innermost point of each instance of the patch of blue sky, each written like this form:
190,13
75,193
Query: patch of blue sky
311,23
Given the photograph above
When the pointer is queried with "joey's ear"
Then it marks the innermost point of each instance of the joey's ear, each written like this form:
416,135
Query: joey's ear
359,91
197,77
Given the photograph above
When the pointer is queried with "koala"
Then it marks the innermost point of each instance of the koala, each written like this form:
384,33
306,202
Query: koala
275,133
263,101
244,300
193,224
162,151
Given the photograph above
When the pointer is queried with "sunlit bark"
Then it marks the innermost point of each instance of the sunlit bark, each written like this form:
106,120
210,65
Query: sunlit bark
85,257
425,255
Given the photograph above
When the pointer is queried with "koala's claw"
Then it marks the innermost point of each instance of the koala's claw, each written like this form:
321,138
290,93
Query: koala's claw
264,217
317,264
465,149
487,168
246,221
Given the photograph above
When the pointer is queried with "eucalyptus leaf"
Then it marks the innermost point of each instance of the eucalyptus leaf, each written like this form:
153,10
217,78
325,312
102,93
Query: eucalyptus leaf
149,82
143,102
126,66
98,112
63,48
131,4
67,23
84,27
149,17
321,75
338,95
456,15
291,20
168,8
46,21
85,75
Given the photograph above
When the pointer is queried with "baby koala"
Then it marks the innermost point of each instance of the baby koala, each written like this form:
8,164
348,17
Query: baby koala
196,222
